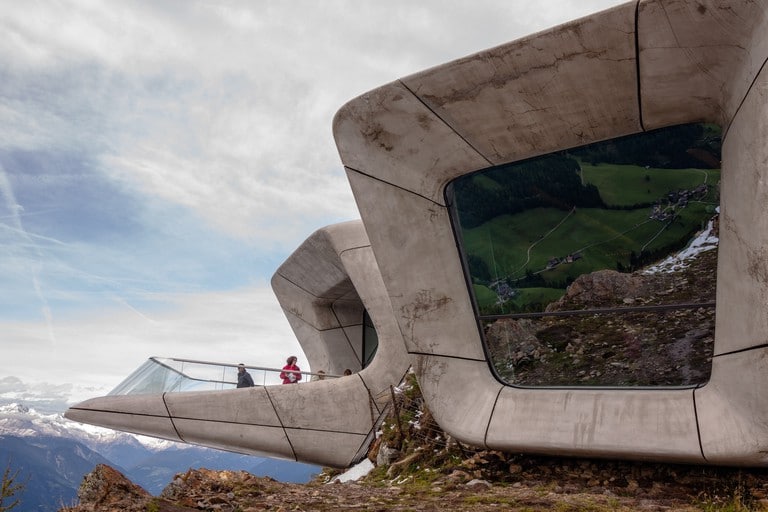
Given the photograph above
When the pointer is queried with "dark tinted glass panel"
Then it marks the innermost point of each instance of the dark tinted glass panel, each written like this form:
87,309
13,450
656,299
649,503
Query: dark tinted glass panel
370,339
597,265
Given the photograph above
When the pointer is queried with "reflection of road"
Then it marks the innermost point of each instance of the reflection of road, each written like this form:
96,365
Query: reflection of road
544,236
619,235
581,249
705,173
520,270
654,237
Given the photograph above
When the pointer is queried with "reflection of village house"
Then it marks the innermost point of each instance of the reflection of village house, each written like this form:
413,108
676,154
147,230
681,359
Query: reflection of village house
555,261
503,290
573,257
677,199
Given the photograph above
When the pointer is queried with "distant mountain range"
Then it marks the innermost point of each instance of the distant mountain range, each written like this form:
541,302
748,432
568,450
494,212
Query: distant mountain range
53,455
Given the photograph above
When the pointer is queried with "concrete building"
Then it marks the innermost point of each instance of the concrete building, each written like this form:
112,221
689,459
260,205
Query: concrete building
638,67
327,288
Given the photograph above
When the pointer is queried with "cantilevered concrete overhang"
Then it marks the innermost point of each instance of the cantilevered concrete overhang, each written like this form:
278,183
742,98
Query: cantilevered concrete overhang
323,288
637,67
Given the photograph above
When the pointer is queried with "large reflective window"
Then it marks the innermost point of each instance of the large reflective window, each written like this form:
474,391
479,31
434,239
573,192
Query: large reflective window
597,266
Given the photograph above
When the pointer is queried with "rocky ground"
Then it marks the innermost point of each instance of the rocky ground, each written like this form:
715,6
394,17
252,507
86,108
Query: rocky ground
671,347
528,484
417,467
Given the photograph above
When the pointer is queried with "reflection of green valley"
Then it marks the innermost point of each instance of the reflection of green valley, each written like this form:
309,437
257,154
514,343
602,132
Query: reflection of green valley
530,229
631,184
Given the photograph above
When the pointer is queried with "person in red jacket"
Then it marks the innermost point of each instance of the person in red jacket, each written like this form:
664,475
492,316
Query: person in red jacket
290,373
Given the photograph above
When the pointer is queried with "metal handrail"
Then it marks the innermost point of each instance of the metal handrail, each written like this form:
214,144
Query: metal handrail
235,365
172,374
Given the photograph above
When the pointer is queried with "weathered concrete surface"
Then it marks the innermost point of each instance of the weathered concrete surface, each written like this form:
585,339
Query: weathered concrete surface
639,66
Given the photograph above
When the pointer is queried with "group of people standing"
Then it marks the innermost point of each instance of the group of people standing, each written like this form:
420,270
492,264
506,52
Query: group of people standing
291,374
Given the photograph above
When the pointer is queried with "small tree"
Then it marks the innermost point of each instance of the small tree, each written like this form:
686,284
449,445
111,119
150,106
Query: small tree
9,489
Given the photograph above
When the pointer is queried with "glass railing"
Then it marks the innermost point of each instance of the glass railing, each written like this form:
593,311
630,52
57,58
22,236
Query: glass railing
171,375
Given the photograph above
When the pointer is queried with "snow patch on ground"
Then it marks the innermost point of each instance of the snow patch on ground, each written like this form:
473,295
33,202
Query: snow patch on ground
704,241
355,472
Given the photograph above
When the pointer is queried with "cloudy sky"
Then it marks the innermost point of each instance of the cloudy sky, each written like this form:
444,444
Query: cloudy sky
160,159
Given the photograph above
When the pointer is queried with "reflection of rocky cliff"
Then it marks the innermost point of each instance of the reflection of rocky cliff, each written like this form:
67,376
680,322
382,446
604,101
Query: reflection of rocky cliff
638,348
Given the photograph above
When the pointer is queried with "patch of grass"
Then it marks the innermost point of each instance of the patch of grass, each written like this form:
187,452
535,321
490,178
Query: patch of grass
537,295
486,297
491,500
731,497
733,504
377,477
585,506
636,181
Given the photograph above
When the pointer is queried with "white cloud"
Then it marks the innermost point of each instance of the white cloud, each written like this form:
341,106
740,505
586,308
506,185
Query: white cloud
120,118
212,103
99,350
46,397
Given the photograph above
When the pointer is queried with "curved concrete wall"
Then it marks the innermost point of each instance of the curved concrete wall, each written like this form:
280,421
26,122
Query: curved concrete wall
323,288
320,302
639,66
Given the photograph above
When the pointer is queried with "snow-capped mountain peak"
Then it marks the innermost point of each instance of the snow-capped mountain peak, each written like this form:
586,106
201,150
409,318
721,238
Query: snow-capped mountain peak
21,420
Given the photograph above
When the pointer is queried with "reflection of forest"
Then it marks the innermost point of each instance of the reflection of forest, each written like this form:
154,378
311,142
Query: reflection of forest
551,182
531,228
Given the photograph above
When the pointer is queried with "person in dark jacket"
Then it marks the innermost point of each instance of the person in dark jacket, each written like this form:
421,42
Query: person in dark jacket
244,379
